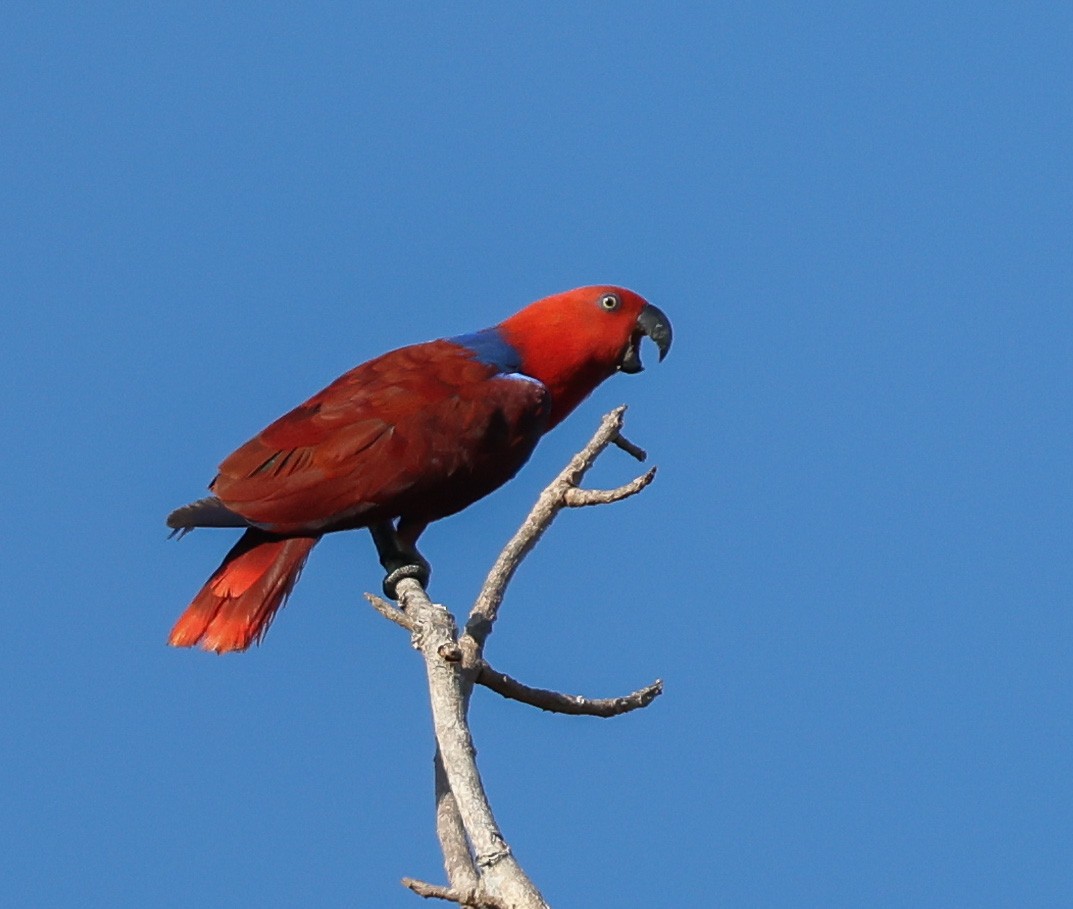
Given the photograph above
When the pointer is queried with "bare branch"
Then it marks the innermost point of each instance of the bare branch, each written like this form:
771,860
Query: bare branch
389,611
627,446
577,498
481,868
551,501
470,899
432,891
574,704
457,860
435,634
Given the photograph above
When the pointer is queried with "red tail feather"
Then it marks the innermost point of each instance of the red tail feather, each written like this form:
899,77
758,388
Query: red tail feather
239,601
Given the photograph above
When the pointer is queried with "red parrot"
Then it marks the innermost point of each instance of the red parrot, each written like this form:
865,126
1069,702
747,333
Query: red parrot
402,440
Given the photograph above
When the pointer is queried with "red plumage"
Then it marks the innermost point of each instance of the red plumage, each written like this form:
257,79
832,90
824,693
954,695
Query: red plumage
237,604
407,438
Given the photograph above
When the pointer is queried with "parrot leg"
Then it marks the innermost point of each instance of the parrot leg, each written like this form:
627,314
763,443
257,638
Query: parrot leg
399,556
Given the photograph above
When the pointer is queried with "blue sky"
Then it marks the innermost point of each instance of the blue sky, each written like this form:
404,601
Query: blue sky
853,571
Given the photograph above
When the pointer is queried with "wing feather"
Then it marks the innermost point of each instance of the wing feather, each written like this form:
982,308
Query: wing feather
423,431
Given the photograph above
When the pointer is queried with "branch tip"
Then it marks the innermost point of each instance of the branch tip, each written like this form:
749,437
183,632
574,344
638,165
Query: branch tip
634,451
390,612
577,497
471,900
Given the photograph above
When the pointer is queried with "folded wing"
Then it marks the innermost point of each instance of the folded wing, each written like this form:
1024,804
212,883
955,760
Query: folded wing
420,432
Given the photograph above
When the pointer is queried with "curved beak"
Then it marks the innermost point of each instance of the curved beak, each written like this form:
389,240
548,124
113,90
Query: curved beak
652,322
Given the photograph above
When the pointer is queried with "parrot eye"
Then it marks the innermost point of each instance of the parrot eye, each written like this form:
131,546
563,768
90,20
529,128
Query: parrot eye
610,302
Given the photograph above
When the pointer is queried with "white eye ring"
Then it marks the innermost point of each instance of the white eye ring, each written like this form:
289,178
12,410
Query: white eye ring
610,302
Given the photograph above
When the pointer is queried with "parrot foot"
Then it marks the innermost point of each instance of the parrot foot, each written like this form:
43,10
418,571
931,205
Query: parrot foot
400,559
419,571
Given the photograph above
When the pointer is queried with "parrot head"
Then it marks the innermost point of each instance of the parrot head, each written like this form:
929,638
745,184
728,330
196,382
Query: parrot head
572,341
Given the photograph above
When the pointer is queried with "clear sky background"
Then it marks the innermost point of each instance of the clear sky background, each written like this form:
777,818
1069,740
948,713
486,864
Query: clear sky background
854,570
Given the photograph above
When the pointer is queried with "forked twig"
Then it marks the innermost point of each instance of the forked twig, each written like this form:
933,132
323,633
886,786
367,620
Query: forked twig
551,501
